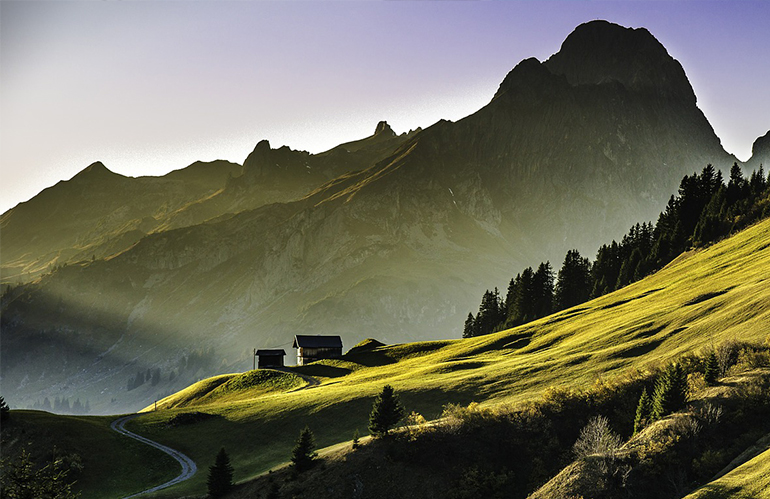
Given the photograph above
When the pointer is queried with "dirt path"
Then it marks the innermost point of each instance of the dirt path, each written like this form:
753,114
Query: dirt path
311,381
188,465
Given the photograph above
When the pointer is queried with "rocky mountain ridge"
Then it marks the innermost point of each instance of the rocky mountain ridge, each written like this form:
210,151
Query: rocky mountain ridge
393,237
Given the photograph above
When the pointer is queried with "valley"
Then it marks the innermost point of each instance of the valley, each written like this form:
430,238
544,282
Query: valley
132,307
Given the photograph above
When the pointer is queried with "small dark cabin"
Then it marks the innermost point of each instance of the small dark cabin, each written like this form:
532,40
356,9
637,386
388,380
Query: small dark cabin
312,348
270,358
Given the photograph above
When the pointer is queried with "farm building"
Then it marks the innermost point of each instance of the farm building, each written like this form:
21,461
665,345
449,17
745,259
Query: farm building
312,348
270,358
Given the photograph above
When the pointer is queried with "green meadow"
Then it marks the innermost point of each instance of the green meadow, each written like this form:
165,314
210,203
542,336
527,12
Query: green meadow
750,480
701,299
113,465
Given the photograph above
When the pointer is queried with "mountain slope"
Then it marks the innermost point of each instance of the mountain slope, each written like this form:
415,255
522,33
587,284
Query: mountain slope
698,301
97,213
400,249
750,480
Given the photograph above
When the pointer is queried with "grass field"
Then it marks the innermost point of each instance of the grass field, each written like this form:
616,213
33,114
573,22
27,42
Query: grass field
748,481
114,466
699,300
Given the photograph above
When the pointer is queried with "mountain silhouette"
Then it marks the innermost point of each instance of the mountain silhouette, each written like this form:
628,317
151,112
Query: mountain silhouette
393,236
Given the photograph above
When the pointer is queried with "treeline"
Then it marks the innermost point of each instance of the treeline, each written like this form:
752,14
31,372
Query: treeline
63,406
190,364
705,210
151,376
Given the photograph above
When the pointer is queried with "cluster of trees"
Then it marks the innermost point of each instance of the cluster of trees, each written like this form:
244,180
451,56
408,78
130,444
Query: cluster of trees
151,375
669,396
62,406
23,478
704,210
387,412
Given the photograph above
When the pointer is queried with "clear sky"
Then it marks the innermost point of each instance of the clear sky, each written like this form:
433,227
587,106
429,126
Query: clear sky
148,87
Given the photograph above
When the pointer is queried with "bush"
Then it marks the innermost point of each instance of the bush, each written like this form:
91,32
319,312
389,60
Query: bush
457,417
753,358
597,438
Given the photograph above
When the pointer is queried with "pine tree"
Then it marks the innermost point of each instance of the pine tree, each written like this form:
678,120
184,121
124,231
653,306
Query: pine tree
220,479
643,412
670,391
573,285
542,287
387,411
711,372
303,454
5,411
469,329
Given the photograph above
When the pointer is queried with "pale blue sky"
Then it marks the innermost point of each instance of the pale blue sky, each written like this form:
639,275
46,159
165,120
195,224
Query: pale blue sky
147,87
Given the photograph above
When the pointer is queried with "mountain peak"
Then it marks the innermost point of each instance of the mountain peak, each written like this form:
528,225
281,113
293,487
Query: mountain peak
599,51
95,170
384,129
528,80
761,145
760,151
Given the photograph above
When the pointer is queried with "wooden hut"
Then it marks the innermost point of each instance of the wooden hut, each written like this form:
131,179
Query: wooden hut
270,358
311,348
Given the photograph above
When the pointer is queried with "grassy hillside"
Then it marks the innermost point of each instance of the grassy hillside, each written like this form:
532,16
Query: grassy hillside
700,300
113,466
751,480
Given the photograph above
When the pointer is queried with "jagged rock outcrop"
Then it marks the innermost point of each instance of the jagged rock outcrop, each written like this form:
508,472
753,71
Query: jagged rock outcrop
760,153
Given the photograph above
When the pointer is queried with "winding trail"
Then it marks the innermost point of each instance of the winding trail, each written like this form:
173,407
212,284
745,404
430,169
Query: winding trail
188,465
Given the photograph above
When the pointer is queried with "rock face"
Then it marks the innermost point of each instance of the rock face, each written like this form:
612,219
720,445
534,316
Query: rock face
760,153
392,236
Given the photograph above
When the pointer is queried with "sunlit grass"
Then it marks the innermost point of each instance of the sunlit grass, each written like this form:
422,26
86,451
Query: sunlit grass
751,480
701,299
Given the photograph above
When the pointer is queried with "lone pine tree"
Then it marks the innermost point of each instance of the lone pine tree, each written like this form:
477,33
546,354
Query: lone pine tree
387,412
711,372
303,454
220,479
643,412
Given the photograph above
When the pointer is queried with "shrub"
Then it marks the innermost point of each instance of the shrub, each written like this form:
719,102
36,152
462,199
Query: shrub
753,358
597,438
471,416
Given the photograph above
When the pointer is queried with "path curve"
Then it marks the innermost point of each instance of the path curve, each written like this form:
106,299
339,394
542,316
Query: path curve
311,381
188,465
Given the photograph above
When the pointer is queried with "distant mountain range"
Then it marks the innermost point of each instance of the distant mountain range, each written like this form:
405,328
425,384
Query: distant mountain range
393,236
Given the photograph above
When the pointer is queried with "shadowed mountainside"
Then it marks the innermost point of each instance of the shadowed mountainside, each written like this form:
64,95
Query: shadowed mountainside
568,153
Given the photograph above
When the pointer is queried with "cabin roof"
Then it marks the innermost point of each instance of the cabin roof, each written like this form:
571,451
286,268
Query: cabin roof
268,352
316,341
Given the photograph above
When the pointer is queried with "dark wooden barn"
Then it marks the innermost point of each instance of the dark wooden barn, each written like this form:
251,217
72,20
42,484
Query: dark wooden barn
312,348
270,358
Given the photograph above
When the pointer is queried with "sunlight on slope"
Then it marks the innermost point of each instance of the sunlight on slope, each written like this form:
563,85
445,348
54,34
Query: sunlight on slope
699,300
748,481
230,388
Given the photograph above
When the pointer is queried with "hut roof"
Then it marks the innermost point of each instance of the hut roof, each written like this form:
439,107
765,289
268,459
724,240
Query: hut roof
316,341
271,352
